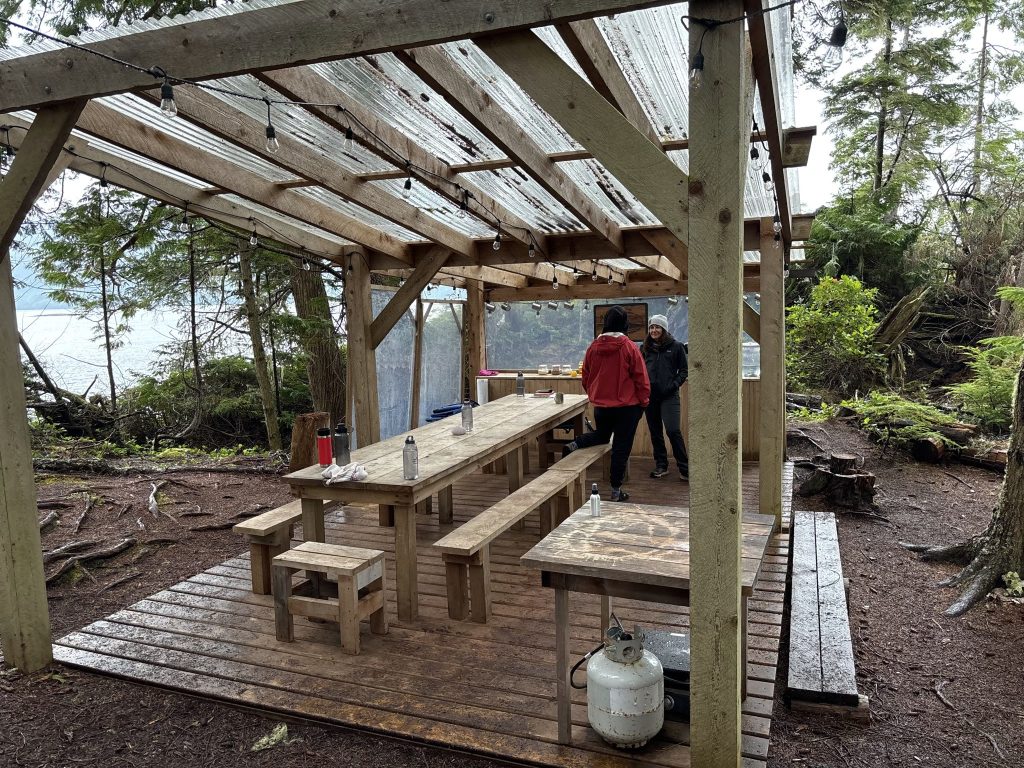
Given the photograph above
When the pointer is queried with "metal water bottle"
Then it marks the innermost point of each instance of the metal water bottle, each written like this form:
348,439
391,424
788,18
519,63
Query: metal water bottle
595,501
520,385
410,459
342,454
323,446
467,415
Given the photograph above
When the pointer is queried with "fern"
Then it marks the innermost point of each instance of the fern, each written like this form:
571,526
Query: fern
987,395
895,420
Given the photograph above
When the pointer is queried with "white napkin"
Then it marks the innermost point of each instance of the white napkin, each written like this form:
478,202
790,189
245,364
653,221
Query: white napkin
335,474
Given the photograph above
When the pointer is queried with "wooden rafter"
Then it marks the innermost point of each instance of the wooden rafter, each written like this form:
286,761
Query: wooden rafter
637,163
444,75
219,118
119,129
403,298
270,37
586,289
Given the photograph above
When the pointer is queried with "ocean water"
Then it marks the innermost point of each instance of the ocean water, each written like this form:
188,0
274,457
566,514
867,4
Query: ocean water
71,349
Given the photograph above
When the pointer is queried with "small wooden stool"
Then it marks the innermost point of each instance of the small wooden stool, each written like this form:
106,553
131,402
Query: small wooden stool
360,590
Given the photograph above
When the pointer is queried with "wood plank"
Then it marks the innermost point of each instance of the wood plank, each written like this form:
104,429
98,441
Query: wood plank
362,358
403,298
473,339
838,676
267,522
718,118
772,431
804,621
24,617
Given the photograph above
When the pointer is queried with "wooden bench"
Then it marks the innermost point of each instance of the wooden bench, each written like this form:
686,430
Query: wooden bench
821,666
466,550
360,590
268,535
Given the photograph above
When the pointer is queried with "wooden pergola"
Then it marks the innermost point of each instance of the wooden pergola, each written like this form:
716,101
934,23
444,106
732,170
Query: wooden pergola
538,121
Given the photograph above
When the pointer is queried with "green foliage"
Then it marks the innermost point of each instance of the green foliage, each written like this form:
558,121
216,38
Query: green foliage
829,342
826,412
988,394
897,421
1014,585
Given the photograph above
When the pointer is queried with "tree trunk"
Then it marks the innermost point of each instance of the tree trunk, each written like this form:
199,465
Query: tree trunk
979,112
1000,548
259,355
325,361
303,452
883,114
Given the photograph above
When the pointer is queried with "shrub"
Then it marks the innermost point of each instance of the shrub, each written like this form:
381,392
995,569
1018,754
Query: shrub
897,421
987,395
830,338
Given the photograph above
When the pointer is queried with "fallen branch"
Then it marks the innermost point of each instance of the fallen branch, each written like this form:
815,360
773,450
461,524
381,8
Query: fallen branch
161,540
98,554
53,504
90,501
68,549
124,510
959,480
938,692
50,519
213,527
154,507
197,512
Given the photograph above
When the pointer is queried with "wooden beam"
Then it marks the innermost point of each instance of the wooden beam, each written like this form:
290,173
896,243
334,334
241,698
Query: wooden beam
765,72
362,360
232,41
417,365
488,275
585,289
222,120
772,440
473,350
404,297
116,128
717,172
435,67
303,84
637,163
24,617
796,151
751,322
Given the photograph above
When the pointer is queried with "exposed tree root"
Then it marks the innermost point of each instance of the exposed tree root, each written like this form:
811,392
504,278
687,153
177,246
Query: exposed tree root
958,554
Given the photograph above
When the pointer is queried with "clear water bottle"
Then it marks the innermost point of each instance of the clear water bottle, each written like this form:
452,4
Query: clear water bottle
410,459
595,501
342,454
520,385
467,415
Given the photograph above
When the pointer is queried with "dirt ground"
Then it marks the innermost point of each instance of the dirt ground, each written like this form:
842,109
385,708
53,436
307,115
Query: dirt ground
943,692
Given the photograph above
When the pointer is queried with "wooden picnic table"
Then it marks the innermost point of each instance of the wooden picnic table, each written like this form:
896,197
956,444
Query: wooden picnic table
501,428
634,551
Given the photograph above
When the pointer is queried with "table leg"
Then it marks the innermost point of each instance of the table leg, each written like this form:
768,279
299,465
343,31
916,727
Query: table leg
514,463
543,458
313,530
385,515
562,688
526,458
445,506
407,587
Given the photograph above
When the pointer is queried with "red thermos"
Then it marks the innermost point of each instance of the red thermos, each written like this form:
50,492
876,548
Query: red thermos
324,447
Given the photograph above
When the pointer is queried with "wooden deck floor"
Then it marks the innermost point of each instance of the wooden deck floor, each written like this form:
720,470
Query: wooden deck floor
482,688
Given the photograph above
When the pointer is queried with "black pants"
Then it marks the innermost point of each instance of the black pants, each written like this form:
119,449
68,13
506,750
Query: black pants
620,422
666,412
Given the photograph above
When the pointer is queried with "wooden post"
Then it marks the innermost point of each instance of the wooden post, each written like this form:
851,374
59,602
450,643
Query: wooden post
24,619
472,337
417,365
773,376
362,359
719,124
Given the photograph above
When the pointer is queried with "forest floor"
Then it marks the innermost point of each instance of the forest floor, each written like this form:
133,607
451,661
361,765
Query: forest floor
943,691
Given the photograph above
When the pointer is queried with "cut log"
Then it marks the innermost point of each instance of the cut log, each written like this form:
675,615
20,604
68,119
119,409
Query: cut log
50,519
852,491
842,463
303,451
961,434
931,449
992,458
804,401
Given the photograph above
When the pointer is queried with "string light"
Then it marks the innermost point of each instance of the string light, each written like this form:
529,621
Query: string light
586,305
350,139
697,70
834,55
497,241
273,145
552,305
463,204
531,250
778,240
593,275
104,184
536,307
672,301
506,306
407,188
167,105
183,227
767,179
611,280
253,240
490,307
776,223
554,283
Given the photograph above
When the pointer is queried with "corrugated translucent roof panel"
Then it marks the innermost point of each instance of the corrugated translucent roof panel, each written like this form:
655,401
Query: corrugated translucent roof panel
268,217
359,213
523,196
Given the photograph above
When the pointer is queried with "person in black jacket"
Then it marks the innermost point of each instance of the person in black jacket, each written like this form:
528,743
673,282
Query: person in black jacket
666,368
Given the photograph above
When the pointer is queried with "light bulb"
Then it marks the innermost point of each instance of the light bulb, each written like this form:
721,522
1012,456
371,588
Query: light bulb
104,188
253,240
754,154
586,304
568,304
767,179
506,306
611,280
183,226
552,305
407,188
167,105
776,224
490,307
305,266
593,275
350,139
697,72
273,145
672,301
833,57
497,242
778,240
554,283
461,213
531,250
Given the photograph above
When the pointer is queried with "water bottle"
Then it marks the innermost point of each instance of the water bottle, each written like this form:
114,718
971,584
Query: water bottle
342,455
323,446
410,459
595,501
520,385
467,415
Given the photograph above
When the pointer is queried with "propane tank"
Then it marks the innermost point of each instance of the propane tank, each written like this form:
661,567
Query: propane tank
625,690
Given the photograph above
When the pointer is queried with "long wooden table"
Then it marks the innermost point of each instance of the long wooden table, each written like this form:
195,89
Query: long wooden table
634,551
500,429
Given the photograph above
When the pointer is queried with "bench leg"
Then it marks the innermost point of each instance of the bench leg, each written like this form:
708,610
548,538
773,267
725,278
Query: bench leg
348,614
445,506
456,577
515,480
480,586
262,550
379,618
547,517
526,458
283,625
543,455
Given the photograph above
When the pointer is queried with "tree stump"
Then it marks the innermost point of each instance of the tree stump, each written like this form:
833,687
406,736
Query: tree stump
930,449
850,488
303,451
842,463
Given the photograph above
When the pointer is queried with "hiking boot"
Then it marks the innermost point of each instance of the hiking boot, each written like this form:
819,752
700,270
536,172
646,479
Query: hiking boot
569,448
619,495
684,475
659,472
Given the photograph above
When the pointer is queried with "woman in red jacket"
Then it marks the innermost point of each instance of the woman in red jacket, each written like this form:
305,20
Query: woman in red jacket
615,379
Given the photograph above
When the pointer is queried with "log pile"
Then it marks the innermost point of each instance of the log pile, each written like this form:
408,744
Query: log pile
841,481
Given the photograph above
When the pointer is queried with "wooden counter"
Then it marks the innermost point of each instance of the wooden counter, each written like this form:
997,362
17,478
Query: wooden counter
505,384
